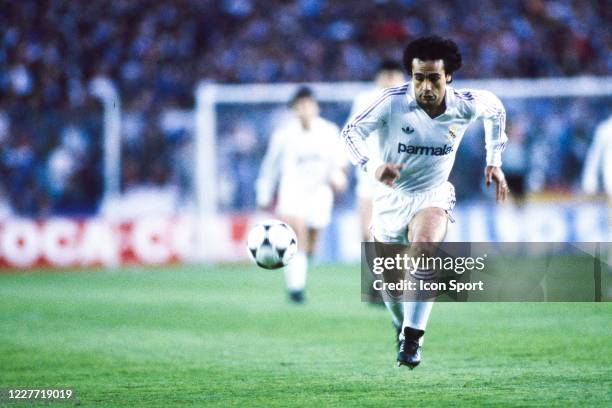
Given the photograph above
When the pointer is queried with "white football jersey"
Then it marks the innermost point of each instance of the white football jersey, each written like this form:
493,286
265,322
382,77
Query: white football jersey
301,161
598,161
425,146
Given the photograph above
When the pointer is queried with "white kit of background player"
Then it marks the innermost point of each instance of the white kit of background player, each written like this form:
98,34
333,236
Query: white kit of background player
598,162
419,151
306,159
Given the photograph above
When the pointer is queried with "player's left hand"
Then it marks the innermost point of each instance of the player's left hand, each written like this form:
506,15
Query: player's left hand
388,173
501,186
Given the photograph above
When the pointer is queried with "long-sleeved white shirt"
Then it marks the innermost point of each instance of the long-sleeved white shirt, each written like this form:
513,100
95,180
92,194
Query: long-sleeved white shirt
426,146
598,161
302,161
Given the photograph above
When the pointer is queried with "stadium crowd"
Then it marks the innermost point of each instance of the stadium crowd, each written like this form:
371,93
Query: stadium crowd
155,52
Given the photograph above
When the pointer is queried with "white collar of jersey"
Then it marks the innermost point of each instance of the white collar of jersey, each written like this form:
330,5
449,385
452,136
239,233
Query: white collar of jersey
449,99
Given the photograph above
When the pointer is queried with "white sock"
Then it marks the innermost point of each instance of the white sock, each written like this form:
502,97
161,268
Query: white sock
295,272
397,312
416,314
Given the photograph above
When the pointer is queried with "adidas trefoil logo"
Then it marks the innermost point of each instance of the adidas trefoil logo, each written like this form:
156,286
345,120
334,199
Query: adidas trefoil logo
408,130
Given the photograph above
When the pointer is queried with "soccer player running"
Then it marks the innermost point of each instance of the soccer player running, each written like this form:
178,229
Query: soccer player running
306,159
419,126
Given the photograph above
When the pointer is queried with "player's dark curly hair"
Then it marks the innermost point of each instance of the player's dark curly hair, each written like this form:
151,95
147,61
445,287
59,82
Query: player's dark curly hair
433,48
302,92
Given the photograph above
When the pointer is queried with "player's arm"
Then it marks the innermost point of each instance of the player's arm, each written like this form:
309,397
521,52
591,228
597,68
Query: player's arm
489,108
270,170
354,134
590,174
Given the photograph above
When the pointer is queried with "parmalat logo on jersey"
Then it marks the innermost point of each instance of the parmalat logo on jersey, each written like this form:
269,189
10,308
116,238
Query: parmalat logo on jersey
426,150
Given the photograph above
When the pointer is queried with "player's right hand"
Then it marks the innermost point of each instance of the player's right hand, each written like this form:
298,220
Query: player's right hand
388,173
495,174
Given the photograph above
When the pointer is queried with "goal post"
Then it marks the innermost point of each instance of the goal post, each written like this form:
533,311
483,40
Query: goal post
106,91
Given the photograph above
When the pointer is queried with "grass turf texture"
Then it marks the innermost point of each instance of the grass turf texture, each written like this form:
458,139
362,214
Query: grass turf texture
227,336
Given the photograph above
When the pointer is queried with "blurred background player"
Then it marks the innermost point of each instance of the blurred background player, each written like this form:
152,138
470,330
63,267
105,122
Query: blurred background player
598,162
306,159
420,126
388,74
598,169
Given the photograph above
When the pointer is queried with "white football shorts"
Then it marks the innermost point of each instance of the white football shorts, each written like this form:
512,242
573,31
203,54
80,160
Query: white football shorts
392,211
313,206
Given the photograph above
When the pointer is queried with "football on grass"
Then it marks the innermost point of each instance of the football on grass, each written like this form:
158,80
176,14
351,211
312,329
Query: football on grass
271,244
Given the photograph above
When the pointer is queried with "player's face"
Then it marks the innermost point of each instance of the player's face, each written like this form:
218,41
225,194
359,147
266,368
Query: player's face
429,82
306,109
389,78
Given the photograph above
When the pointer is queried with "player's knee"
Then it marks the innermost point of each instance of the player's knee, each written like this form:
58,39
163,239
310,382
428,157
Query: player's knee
427,240
427,246
427,237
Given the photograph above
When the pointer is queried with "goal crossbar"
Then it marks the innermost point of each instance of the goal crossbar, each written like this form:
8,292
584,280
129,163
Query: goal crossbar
346,91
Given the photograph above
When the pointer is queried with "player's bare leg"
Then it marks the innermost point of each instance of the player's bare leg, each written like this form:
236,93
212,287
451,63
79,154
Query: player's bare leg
311,241
426,229
295,271
428,225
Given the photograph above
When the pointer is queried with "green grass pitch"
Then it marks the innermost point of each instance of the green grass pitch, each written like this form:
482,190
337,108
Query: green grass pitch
225,336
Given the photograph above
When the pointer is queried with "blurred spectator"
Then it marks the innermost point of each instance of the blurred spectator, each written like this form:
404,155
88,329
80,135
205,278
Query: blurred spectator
50,48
